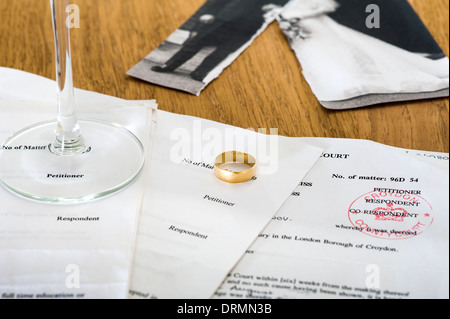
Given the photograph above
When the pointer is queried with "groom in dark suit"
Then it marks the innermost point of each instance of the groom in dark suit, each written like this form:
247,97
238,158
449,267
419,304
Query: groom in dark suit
397,17
226,25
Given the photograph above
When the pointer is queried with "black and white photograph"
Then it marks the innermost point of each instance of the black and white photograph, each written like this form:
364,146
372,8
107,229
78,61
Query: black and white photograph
196,53
356,53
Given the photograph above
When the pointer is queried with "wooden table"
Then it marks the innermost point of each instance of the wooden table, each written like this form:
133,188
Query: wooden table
264,88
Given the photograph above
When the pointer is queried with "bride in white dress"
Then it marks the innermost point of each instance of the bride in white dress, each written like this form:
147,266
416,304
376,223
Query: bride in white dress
340,63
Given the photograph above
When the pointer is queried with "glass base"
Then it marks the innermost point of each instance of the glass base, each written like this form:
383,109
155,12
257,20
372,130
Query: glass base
113,158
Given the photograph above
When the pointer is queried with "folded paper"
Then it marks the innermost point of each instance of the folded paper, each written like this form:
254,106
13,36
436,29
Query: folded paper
193,227
368,221
70,252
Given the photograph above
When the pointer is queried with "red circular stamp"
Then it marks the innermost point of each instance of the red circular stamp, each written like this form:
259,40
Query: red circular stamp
391,214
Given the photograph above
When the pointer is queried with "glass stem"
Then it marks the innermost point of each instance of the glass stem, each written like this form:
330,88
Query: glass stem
68,140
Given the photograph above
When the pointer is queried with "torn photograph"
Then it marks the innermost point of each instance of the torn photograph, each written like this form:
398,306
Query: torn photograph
198,52
356,53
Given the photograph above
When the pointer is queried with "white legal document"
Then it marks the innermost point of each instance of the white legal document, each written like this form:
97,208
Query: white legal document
21,85
368,221
82,251
77,251
193,227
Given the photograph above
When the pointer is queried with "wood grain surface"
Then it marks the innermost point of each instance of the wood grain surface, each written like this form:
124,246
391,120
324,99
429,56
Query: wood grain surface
263,88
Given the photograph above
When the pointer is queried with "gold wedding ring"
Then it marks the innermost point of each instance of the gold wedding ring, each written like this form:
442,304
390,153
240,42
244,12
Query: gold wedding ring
234,157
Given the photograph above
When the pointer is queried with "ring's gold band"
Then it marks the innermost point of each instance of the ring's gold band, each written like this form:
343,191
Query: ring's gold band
235,176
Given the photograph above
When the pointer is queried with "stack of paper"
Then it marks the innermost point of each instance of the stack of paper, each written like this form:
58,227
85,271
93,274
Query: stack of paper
81,251
191,224
368,221
193,227
325,218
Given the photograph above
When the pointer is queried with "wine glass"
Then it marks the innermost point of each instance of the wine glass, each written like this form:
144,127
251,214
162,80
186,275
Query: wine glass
69,160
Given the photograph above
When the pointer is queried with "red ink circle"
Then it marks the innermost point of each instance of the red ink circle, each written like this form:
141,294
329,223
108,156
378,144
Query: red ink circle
391,214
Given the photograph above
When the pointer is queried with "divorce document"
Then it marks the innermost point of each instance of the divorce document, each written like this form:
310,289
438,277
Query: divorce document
368,221
193,227
68,252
